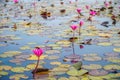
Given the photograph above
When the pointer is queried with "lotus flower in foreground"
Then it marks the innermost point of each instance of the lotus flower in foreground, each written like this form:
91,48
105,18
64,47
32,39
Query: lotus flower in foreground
74,27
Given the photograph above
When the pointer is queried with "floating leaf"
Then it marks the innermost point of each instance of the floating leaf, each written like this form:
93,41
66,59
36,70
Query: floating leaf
5,67
112,67
111,54
22,56
18,76
116,49
73,78
9,54
53,57
18,69
34,57
92,66
25,47
55,63
16,60
64,65
63,78
77,65
3,73
31,43
59,69
75,72
91,57
32,66
98,72
105,44
63,42
52,51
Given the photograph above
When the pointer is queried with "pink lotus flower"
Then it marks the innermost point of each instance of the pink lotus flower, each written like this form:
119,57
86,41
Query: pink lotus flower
81,23
38,51
81,46
15,1
93,13
74,27
87,7
106,4
79,10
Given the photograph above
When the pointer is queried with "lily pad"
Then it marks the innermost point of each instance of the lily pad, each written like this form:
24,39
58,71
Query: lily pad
75,72
64,65
19,69
5,67
116,49
32,66
59,69
25,47
55,63
3,73
92,66
18,77
52,57
105,44
63,78
91,57
73,78
63,42
112,67
52,52
9,54
34,57
98,72
16,60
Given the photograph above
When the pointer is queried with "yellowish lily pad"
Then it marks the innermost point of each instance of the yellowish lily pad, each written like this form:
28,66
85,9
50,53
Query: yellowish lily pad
92,66
18,76
116,49
34,57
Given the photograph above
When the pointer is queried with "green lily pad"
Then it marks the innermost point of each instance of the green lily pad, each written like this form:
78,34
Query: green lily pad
19,69
52,52
73,78
16,60
92,66
112,67
9,54
18,76
63,78
52,57
25,47
75,72
55,63
59,69
3,73
105,44
116,49
5,67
